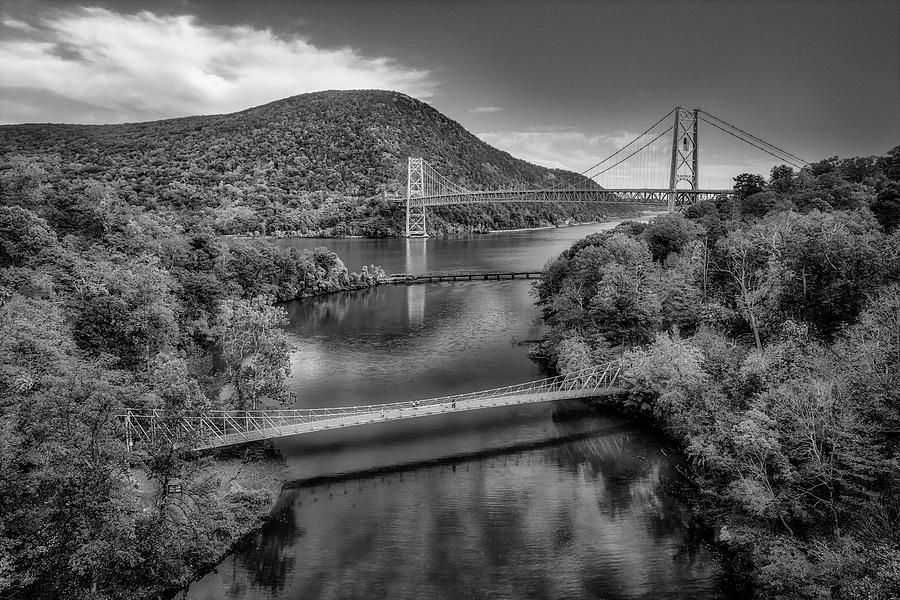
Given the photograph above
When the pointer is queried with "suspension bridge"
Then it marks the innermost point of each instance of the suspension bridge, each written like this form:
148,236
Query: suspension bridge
218,428
658,168
661,169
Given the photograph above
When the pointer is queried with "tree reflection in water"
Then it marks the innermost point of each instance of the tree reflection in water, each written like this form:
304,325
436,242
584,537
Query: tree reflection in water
586,514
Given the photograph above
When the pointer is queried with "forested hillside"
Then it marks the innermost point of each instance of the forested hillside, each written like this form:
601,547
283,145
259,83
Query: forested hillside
326,163
763,334
106,307
132,315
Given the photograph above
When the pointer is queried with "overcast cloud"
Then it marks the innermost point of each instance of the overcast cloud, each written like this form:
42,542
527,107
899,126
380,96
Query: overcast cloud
817,77
101,66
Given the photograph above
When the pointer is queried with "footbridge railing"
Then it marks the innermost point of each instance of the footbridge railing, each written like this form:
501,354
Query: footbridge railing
217,428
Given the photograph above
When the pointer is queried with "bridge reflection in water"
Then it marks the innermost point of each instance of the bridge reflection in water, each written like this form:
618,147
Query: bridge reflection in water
416,262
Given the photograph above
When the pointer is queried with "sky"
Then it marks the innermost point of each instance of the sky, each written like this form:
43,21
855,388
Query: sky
561,84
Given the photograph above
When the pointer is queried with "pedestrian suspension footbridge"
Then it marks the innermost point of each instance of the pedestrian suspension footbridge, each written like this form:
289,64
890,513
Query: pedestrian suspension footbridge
659,168
219,428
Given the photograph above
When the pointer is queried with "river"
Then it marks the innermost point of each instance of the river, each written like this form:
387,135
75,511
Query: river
543,501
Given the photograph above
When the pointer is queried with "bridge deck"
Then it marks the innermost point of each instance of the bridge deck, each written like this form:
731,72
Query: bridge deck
273,429
214,429
667,198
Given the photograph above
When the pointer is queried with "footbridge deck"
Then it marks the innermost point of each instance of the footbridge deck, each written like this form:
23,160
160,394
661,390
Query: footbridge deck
215,429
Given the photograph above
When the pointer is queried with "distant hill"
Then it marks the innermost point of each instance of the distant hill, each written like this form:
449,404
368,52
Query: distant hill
325,163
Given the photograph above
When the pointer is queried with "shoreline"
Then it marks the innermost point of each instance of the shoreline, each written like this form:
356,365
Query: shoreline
542,227
256,469
740,585
252,470
294,236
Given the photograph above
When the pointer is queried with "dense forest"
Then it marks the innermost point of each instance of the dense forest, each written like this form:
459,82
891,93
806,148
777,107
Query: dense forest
763,334
126,311
321,164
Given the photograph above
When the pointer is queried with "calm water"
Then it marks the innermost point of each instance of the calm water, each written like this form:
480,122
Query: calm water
541,501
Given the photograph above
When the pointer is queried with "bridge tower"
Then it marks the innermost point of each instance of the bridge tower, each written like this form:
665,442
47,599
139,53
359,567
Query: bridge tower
685,154
415,205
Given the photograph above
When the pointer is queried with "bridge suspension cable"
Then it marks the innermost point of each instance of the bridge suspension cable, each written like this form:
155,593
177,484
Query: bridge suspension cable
660,167
634,173
617,152
752,140
607,169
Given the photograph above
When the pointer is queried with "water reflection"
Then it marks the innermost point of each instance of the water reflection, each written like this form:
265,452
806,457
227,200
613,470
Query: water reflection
416,255
415,306
583,513
394,343
503,251
518,502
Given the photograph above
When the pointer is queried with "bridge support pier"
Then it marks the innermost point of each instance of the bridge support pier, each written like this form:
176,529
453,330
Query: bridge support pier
415,205
415,220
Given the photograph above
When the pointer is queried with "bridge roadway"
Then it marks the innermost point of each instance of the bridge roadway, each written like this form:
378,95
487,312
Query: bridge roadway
664,198
216,429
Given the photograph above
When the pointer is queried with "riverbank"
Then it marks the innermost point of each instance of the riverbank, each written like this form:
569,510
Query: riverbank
706,518
643,216
406,343
541,228
451,234
245,485
787,446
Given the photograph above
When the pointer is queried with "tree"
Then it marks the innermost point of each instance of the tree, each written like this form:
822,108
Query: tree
573,354
747,184
760,467
664,378
668,234
25,238
782,179
66,508
871,352
23,182
743,263
680,301
761,203
858,169
890,164
886,206
828,165
626,307
255,351
126,310
823,265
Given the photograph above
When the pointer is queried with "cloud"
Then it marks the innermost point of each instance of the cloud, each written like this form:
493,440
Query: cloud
558,147
486,109
114,67
16,24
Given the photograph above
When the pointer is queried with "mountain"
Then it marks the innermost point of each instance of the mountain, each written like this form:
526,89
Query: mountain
324,163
